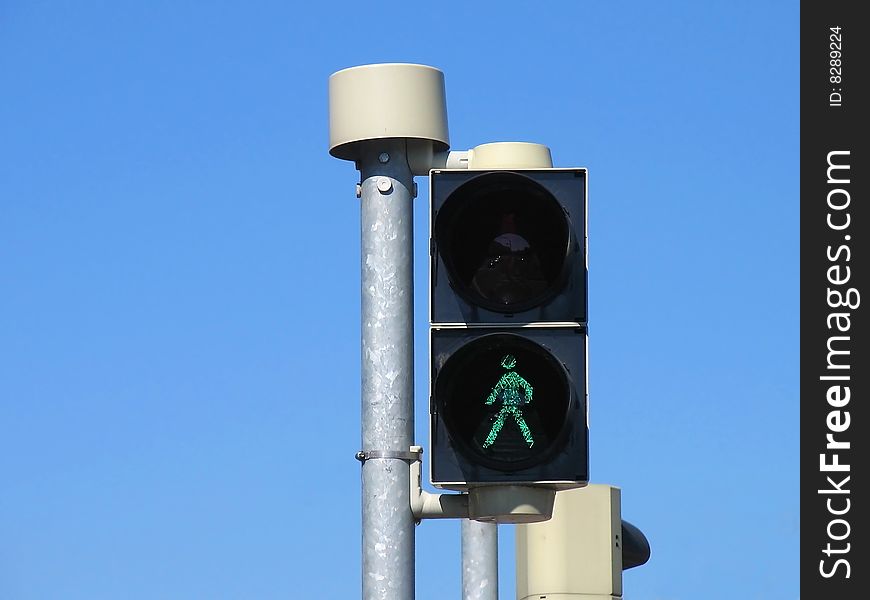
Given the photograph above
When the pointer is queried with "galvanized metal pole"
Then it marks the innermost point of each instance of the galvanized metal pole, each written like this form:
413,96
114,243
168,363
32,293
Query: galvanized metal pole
479,560
387,369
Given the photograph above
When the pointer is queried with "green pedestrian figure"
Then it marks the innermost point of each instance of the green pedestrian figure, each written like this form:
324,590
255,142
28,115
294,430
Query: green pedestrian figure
513,392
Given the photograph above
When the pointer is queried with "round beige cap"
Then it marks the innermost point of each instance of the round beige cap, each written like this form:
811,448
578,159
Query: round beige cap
390,100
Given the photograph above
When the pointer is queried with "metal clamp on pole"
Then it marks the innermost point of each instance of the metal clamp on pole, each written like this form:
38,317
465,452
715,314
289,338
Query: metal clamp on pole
425,505
364,455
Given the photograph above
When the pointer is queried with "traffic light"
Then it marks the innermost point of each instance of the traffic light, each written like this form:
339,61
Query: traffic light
508,327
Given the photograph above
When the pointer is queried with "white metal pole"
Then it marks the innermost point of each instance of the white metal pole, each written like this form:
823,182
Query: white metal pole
387,369
479,560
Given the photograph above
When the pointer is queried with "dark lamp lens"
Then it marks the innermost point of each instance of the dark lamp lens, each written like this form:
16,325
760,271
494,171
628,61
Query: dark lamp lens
504,240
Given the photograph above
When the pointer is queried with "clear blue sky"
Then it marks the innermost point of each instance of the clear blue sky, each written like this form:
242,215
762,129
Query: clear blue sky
180,304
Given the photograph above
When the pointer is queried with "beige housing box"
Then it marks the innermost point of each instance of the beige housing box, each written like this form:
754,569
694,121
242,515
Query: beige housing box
577,554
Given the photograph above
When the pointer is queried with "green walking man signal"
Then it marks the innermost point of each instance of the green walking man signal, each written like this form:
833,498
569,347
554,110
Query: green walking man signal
513,391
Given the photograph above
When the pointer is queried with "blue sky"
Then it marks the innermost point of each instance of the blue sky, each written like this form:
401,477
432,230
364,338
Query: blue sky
180,304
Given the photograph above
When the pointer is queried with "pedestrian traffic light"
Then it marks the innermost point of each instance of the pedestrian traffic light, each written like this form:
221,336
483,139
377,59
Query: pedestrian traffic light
508,337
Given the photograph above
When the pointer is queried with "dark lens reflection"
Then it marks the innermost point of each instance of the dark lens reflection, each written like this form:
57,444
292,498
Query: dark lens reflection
510,271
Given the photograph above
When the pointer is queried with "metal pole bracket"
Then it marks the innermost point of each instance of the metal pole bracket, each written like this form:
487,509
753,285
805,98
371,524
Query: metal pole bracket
425,505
